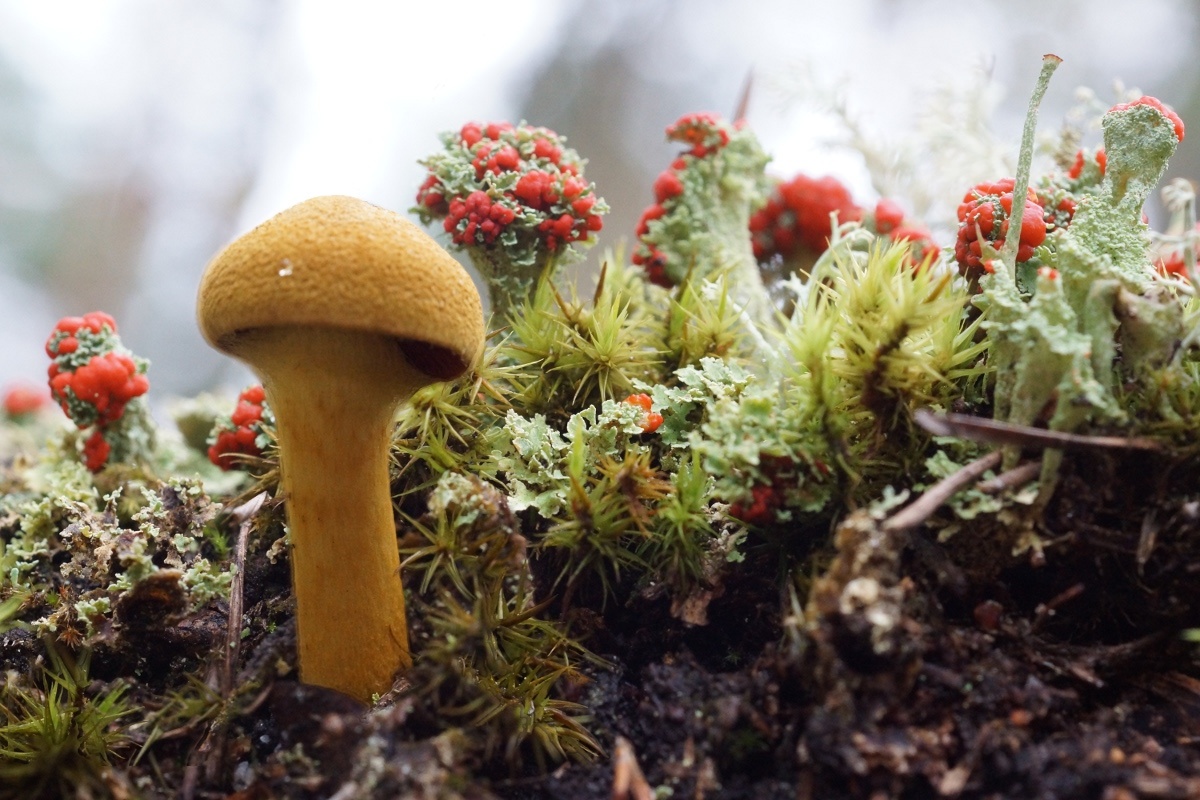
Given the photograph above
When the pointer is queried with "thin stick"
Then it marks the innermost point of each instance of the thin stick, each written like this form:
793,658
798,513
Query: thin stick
628,781
990,431
923,507
213,745
244,516
1018,476
744,100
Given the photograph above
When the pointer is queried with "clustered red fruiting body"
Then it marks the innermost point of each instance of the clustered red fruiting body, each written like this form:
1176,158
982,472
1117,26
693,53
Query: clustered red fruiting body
513,187
1058,208
888,220
651,420
797,214
767,498
93,378
667,186
239,432
1158,105
984,216
23,400
889,216
1098,159
708,135
704,131
780,481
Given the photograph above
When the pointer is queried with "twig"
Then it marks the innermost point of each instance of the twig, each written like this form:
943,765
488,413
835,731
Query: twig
1049,608
990,431
1147,539
211,750
1018,476
628,781
744,99
244,516
923,507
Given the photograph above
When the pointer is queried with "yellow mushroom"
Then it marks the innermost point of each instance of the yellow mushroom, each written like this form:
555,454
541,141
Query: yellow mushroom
343,309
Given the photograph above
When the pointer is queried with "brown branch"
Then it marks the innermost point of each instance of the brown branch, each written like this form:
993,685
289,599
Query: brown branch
744,99
924,506
1018,476
244,516
990,431
211,750
628,781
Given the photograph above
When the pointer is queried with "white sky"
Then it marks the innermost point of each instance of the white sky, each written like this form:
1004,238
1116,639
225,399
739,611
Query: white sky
354,91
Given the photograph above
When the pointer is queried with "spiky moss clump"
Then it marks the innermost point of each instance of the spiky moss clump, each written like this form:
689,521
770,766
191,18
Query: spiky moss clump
872,339
492,661
57,738
704,321
559,358
615,508
452,426
571,356
489,662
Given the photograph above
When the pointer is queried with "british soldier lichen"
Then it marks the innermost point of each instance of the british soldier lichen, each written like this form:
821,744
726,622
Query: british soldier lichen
1056,353
699,224
515,198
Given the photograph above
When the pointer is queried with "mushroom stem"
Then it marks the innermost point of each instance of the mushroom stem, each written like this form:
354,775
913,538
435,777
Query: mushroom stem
334,393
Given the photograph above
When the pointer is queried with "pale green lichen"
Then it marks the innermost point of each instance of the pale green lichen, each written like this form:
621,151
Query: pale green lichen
705,231
693,391
537,458
206,580
70,545
1056,354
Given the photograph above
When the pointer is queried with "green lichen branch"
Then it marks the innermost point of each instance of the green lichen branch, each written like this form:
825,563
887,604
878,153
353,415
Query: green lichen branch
1097,317
698,227
1050,63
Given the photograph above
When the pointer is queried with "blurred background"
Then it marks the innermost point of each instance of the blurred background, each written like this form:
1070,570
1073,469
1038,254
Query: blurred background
137,137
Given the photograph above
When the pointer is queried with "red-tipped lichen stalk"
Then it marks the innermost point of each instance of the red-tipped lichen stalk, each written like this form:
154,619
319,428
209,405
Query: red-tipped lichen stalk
513,197
699,222
241,433
97,382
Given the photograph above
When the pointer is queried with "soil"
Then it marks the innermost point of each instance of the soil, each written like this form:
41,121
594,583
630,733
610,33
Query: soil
915,668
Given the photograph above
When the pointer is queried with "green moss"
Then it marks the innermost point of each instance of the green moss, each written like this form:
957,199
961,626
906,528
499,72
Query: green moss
58,739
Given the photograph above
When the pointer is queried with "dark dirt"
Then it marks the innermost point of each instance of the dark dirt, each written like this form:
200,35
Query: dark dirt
1055,677
916,669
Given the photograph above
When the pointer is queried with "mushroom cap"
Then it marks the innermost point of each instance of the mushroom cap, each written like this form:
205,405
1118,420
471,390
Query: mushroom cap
339,262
